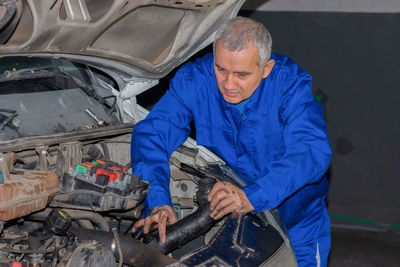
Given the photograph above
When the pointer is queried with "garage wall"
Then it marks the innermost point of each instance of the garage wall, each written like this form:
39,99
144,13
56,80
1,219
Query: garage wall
324,5
354,58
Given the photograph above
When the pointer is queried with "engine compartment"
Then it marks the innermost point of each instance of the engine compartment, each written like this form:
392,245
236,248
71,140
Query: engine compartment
65,164
88,180
39,180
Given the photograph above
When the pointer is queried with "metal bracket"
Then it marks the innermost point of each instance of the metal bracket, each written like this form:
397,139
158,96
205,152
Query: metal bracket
70,154
42,151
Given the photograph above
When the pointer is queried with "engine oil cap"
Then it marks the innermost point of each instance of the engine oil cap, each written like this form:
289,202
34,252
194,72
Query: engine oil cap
58,221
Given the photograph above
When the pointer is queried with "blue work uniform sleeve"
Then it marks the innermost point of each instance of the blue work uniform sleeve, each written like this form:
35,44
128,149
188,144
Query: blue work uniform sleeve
155,138
307,154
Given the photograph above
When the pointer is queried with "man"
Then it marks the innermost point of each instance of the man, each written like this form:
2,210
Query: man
256,111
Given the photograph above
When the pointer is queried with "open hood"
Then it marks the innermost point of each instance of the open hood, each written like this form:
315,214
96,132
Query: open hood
149,37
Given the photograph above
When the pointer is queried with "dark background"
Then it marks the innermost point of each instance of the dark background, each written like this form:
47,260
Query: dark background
354,59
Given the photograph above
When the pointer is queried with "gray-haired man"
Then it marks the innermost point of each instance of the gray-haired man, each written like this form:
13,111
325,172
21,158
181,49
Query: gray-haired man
256,111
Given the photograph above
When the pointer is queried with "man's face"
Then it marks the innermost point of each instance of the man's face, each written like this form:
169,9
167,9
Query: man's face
237,72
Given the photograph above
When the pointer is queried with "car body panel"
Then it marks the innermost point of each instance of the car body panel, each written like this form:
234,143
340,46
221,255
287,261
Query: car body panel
150,36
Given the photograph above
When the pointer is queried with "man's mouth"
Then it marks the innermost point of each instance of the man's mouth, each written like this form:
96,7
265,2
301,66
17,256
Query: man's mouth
230,93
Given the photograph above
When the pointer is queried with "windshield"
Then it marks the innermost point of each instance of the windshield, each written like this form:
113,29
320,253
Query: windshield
17,68
42,96
15,63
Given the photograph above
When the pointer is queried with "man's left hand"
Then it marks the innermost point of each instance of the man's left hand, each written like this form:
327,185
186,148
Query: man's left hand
226,198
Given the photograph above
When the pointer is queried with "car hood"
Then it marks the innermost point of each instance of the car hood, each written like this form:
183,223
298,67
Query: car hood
145,39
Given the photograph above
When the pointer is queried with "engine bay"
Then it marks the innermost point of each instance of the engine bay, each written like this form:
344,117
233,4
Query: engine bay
45,190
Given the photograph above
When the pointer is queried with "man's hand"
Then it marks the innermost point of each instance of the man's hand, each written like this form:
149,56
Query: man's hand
160,216
226,198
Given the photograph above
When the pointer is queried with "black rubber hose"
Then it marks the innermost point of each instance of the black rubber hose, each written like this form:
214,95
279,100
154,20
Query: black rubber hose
106,152
93,152
94,217
135,252
189,227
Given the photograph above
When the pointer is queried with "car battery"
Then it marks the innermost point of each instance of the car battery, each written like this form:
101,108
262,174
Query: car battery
102,186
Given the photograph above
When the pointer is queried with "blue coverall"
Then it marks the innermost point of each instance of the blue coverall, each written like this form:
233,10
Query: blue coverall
279,146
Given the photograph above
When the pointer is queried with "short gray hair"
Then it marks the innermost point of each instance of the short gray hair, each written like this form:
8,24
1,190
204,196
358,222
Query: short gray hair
236,33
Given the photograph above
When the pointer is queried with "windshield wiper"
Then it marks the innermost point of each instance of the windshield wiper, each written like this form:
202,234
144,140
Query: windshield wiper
96,84
27,73
10,120
90,90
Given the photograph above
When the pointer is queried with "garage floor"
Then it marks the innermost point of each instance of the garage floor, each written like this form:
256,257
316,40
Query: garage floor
364,246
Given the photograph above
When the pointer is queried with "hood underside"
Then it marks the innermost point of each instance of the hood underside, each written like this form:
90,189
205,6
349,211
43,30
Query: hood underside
149,37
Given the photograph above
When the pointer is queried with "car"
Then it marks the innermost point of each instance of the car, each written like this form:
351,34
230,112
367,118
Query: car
70,75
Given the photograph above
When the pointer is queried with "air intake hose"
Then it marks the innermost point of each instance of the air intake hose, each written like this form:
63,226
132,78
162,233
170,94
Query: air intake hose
189,227
135,253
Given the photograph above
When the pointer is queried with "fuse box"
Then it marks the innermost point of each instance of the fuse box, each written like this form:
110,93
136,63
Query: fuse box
102,186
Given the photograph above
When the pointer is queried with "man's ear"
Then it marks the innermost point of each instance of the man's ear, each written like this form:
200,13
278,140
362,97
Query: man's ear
268,68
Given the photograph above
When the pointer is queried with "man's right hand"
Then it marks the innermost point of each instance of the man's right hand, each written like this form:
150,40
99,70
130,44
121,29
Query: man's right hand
160,216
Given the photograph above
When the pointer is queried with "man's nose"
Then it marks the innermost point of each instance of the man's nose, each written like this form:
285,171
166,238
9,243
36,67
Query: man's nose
230,82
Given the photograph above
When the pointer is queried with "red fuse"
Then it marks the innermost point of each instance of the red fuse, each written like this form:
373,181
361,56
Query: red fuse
123,168
115,168
88,165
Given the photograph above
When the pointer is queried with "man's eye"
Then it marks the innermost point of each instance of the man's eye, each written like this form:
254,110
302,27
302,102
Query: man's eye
242,75
221,70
